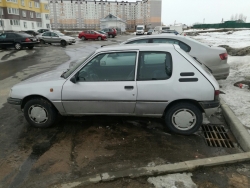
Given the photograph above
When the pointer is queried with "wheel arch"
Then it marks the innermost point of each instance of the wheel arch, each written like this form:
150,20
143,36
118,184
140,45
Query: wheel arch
27,98
172,103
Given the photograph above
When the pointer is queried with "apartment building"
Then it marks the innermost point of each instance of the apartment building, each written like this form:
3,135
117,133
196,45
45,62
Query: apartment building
79,14
19,15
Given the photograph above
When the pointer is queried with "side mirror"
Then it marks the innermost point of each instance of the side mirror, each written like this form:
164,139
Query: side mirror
73,79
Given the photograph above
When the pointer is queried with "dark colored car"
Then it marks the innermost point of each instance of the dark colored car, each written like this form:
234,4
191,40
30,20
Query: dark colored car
111,32
102,32
150,32
31,32
17,40
85,35
42,30
170,31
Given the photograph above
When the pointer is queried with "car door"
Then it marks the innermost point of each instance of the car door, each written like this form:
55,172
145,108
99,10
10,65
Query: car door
46,36
105,85
10,39
92,35
153,82
55,38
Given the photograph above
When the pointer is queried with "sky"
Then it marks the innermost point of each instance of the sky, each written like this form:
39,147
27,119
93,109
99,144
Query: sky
210,11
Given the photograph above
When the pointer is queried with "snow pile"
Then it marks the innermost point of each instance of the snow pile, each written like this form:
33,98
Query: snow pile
237,39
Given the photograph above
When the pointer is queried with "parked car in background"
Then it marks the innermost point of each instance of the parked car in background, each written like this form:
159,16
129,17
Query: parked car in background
55,37
85,35
151,32
162,82
140,30
31,32
42,30
17,40
102,32
159,29
215,58
111,32
170,32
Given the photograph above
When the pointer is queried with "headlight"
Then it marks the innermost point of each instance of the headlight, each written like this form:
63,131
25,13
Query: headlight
10,92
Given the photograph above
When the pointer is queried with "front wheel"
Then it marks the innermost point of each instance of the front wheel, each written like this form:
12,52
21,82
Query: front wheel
183,118
83,38
40,113
30,47
110,36
18,46
99,38
63,43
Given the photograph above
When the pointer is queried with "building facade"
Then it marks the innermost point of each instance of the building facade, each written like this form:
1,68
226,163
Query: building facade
20,15
86,14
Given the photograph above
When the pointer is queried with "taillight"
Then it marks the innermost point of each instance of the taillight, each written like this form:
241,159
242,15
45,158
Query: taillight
27,40
216,94
223,56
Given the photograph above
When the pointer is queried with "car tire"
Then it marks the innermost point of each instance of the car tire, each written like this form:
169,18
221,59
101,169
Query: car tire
42,42
189,122
113,36
40,113
83,38
18,46
110,36
30,47
99,38
63,43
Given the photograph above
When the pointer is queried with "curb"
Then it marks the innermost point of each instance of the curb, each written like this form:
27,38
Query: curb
238,129
157,170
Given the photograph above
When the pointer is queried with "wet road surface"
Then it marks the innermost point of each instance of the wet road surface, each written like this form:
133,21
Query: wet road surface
80,146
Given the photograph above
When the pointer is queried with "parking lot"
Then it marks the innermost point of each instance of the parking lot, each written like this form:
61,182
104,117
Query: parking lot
79,146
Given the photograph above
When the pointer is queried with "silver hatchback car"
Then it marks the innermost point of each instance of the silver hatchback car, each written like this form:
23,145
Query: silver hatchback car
155,80
215,58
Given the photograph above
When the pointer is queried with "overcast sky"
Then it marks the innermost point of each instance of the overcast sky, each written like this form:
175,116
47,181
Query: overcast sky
192,11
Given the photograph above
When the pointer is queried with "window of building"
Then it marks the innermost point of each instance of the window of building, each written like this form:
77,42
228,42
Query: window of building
47,16
48,26
1,10
24,13
38,15
14,22
31,15
37,5
46,6
33,26
25,24
13,11
1,23
39,24
30,4
13,1
22,3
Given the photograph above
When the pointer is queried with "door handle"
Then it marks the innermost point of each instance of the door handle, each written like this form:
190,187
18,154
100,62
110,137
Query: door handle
129,87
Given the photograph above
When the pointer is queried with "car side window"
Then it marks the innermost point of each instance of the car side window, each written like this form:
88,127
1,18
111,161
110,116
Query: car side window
182,45
119,66
3,36
138,41
11,35
54,35
47,34
154,66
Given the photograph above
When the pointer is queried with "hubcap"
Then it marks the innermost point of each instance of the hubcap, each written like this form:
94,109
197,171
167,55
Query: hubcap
184,119
18,46
38,114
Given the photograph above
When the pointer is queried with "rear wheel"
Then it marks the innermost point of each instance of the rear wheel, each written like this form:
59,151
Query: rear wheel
99,38
18,46
110,36
30,47
83,38
63,43
40,113
183,118
42,42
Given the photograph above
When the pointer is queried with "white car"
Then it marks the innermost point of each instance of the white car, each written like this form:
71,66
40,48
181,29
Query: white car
55,37
215,58
156,80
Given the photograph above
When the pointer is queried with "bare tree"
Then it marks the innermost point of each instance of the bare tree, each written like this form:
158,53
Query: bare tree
232,17
236,17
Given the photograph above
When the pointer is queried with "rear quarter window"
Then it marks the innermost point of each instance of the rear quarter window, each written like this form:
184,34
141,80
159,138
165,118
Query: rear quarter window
138,41
182,45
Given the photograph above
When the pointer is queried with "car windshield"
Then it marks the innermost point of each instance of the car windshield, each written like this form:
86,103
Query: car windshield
139,28
150,30
78,63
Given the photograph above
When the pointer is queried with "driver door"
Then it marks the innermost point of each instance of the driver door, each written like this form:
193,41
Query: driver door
105,85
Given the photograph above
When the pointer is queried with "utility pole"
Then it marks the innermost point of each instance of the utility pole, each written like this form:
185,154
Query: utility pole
1,12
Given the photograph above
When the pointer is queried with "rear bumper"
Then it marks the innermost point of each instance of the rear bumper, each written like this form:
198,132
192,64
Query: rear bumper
210,107
221,71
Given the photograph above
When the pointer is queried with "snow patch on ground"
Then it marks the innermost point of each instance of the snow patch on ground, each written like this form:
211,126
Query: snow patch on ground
173,181
238,39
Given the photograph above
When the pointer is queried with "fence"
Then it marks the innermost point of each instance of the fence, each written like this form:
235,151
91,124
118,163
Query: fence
222,25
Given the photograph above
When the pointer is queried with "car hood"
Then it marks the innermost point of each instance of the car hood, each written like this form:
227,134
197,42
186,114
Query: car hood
54,75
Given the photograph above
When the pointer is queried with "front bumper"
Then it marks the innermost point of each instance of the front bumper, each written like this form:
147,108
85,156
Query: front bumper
15,102
210,107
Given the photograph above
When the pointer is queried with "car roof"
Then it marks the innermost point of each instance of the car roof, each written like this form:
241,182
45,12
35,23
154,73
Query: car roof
149,47
164,35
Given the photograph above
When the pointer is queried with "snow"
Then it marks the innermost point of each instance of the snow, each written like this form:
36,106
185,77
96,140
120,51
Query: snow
236,98
238,39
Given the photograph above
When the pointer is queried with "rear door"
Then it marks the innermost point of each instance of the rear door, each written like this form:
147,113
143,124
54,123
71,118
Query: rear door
46,36
55,38
11,39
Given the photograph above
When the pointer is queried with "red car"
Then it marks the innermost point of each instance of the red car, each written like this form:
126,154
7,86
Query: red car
111,32
85,35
